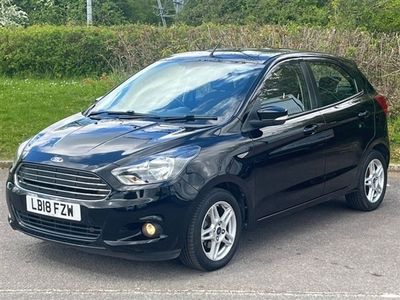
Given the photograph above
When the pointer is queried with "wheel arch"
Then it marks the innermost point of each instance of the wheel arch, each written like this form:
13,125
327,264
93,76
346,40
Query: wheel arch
239,189
381,145
384,150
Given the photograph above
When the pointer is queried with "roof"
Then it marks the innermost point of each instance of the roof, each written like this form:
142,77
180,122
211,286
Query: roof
248,55
239,55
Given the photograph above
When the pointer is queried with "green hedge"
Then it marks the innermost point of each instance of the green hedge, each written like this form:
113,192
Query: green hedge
55,51
68,51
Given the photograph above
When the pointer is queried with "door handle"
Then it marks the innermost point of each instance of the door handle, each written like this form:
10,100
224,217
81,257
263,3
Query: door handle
364,114
310,129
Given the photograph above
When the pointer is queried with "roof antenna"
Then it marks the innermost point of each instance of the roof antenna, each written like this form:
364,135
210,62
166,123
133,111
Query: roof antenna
215,48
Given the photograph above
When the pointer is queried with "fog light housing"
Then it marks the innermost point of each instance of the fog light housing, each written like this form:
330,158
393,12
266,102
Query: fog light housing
151,230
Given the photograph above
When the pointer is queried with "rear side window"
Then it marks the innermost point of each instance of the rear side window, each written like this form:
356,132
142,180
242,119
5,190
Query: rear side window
334,83
286,87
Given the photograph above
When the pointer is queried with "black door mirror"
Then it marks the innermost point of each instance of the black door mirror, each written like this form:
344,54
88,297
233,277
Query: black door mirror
270,115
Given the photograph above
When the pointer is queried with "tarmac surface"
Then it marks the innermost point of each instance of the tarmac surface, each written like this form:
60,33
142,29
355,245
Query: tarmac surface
327,251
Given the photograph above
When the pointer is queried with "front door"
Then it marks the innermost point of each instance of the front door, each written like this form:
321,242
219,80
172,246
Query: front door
289,158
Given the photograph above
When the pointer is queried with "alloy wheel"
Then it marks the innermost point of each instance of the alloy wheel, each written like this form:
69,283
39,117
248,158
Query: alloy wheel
374,180
218,230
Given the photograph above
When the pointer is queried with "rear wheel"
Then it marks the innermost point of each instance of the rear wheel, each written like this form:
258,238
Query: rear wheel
372,183
213,232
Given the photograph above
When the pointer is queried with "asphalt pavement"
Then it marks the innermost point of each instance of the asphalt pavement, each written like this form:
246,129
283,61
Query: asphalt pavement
327,251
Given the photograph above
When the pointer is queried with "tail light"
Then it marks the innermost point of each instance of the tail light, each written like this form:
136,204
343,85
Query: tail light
383,103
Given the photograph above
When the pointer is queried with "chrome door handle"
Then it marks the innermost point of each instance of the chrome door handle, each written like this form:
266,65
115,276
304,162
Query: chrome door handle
364,114
310,129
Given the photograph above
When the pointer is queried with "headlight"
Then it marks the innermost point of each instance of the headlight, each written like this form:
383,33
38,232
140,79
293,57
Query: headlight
157,168
21,152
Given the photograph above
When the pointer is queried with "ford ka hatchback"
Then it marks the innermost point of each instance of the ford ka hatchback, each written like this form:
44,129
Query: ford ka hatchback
181,157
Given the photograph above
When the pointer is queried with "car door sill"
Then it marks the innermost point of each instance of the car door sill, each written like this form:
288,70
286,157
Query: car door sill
304,205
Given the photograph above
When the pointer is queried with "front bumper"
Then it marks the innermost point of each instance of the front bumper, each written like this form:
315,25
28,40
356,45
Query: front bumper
109,227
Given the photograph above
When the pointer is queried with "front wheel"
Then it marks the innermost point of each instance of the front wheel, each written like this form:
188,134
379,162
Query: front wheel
372,183
213,233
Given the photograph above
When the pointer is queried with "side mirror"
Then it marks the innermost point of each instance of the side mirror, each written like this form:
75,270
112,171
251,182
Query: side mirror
98,99
270,115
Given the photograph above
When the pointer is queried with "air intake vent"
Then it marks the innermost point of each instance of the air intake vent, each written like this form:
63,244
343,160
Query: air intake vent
62,182
58,228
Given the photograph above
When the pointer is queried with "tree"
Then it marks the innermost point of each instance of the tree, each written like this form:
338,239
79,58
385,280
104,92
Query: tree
313,12
138,11
105,12
11,14
302,12
49,11
372,15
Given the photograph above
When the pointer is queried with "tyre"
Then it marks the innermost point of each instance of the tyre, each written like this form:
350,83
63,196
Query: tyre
213,232
371,185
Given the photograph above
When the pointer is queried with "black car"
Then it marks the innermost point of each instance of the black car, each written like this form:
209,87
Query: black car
181,157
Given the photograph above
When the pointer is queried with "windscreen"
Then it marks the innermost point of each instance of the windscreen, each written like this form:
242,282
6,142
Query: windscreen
179,88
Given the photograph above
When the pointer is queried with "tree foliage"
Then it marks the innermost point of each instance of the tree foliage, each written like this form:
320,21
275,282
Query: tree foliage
11,14
370,15
105,12
257,11
373,15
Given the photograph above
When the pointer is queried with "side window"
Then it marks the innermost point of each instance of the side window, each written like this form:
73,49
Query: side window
287,88
334,84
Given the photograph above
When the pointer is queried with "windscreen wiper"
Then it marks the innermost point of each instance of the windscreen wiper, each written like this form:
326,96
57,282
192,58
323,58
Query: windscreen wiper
133,115
125,114
188,118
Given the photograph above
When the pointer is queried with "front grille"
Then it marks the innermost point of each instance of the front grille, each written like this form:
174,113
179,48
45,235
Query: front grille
58,228
62,182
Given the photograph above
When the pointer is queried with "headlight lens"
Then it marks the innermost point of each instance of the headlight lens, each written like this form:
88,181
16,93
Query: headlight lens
157,168
21,152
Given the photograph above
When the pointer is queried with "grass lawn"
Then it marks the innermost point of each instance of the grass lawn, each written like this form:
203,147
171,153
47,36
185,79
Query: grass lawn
29,105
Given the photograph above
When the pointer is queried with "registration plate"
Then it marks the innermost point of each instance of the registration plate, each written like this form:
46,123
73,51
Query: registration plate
51,208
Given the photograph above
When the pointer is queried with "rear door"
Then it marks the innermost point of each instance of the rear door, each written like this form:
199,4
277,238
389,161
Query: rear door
348,113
